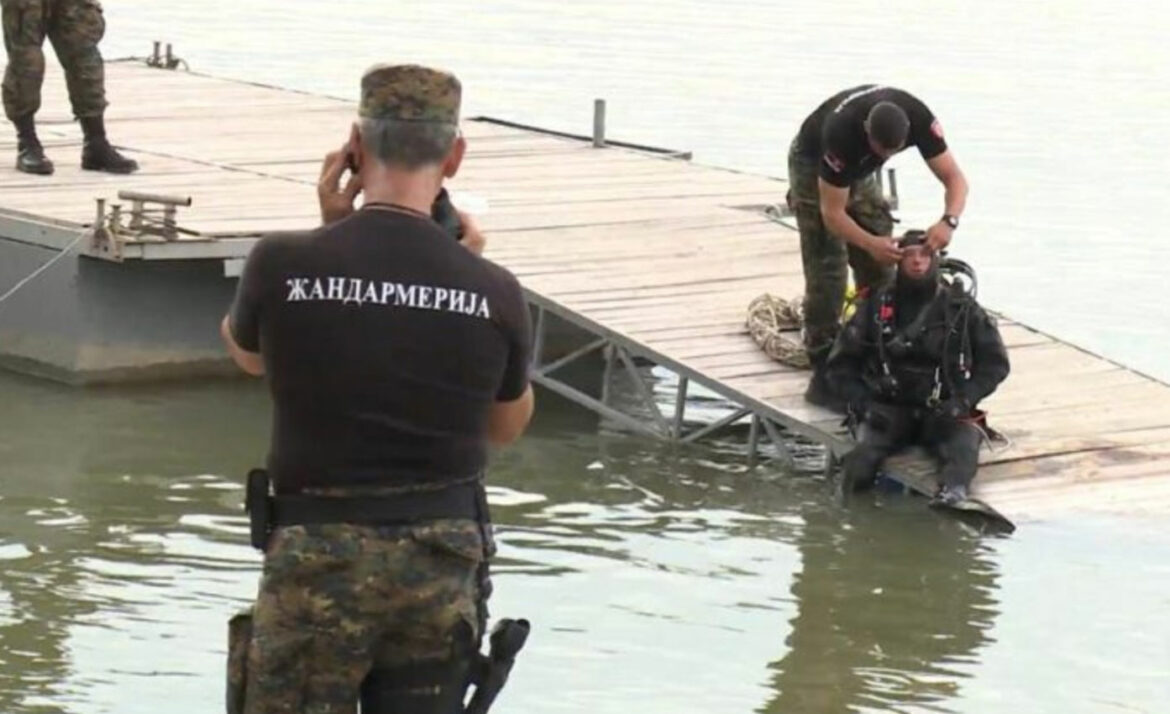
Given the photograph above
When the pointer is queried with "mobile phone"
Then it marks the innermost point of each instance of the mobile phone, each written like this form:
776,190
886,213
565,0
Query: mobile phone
443,212
351,162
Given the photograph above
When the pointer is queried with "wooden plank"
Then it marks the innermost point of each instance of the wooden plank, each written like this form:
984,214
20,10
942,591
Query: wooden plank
617,246
715,296
648,261
667,318
660,275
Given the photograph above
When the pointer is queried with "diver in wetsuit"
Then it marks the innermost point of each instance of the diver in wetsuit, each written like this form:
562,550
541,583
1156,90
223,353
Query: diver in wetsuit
913,363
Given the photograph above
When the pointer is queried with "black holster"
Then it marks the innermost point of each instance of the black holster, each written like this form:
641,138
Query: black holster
258,502
490,672
440,687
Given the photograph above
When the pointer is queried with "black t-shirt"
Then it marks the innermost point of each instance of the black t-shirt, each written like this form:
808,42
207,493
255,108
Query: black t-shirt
385,344
834,134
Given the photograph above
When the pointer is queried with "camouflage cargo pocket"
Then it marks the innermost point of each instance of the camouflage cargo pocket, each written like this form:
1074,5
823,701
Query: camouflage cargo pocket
462,539
239,639
82,23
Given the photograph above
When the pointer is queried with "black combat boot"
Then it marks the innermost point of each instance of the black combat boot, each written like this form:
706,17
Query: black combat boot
30,155
819,391
97,154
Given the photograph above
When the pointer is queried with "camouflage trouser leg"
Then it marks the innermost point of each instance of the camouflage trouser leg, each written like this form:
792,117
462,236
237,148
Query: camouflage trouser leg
337,601
75,30
24,33
826,258
74,27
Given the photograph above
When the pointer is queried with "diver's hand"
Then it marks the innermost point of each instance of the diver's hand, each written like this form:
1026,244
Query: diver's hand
884,250
954,408
938,236
336,202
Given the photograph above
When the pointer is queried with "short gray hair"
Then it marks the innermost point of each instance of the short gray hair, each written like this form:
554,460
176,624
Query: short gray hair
409,144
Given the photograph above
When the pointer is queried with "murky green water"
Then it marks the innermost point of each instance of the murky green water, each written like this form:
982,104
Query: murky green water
659,579
662,580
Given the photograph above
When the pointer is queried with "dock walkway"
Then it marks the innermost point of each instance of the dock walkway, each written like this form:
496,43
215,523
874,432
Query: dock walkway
656,257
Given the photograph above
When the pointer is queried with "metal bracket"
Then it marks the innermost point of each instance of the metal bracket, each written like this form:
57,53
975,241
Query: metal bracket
112,229
105,241
660,425
144,221
164,61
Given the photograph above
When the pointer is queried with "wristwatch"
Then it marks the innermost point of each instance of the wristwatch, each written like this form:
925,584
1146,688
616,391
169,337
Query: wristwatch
952,221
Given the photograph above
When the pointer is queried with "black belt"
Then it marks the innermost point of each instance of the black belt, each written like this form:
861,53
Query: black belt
464,500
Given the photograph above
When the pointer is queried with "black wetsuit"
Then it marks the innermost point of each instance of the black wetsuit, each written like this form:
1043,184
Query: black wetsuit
913,368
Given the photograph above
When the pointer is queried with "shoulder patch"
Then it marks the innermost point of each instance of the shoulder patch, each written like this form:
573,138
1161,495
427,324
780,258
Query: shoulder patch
936,128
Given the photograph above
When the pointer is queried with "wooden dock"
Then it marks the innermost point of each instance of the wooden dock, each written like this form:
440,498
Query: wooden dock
655,257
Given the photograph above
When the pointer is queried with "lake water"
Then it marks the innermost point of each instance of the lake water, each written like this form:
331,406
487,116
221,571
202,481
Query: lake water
662,579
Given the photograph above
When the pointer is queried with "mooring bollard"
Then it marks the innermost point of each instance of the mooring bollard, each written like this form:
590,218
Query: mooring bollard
598,123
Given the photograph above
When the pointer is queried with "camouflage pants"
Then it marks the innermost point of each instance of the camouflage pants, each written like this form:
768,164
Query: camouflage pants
338,600
74,27
827,258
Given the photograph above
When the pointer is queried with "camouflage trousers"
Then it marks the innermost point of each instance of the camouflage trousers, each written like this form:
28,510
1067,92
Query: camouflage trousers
74,27
336,601
827,258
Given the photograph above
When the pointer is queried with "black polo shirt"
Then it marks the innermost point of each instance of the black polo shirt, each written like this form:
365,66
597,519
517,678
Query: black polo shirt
385,345
834,134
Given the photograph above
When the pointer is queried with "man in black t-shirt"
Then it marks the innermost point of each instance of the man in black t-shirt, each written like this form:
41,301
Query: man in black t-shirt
842,217
394,356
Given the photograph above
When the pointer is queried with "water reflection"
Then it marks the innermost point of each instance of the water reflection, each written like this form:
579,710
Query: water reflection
100,491
892,610
124,550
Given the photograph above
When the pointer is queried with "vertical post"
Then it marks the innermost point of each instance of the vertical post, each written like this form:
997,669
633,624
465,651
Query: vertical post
680,405
169,222
538,338
754,442
607,375
99,219
830,463
115,220
156,56
598,123
170,57
137,209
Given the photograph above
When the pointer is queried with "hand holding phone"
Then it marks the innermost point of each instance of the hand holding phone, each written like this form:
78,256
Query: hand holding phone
337,202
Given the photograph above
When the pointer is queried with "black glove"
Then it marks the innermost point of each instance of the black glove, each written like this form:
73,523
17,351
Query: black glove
954,408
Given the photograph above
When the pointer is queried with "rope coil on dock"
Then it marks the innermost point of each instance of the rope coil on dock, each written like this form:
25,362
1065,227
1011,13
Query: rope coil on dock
774,324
